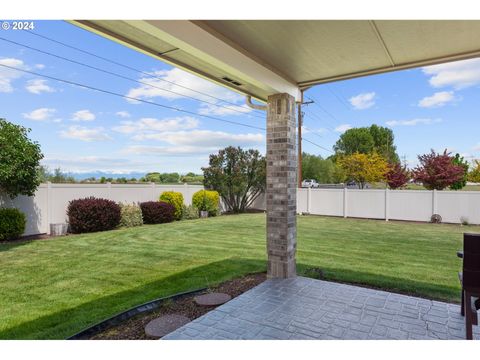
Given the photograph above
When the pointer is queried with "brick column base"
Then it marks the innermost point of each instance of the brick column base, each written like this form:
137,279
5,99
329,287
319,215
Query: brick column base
281,186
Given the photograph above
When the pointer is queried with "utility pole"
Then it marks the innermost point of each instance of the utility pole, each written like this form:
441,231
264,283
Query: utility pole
300,121
299,145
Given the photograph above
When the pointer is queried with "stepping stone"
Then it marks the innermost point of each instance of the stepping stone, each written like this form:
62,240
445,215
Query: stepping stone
212,299
164,325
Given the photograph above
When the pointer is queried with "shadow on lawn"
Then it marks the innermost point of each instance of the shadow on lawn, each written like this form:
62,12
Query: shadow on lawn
67,322
8,245
386,283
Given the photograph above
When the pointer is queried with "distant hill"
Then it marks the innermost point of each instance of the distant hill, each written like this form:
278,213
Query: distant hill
99,174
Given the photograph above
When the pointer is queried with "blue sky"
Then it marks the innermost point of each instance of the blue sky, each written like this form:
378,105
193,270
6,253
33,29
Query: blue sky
82,130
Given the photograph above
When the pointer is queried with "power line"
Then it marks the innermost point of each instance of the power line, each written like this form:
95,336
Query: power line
323,109
127,66
315,116
146,101
122,76
340,98
320,146
312,132
130,97
321,119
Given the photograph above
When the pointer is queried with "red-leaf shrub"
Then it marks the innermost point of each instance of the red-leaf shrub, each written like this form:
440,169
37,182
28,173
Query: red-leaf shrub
397,176
157,212
437,171
92,214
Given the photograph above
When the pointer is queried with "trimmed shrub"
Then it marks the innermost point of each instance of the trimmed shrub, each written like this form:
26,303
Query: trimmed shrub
131,215
207,200
157,212
190,212
92,214
12,224
176,199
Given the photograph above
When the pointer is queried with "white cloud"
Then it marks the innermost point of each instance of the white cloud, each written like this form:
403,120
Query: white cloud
85,134
39,66
342,128
8,75
40,114
168,150
476,147
312,131
37,86
207,138
123,114
459,74
196,142
146,126
438,99
201,89
412,122
83,115
207,109
363,101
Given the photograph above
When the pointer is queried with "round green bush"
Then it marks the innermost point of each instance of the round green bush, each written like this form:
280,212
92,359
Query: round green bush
157,212
12,224
190,212
92,214
131,215
176,199
207,200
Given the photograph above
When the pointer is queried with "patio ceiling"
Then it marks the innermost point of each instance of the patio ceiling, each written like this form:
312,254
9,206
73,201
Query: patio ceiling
264,57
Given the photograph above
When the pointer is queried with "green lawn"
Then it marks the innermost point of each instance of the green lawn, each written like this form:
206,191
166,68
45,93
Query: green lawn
54,288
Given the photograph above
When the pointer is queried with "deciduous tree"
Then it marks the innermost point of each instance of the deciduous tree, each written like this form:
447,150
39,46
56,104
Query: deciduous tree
397,176
315,167
363,168
459,160
19,160
238,175
365,140
474,174
437,171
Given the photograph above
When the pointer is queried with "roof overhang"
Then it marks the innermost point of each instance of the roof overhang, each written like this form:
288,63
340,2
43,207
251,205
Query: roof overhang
264,57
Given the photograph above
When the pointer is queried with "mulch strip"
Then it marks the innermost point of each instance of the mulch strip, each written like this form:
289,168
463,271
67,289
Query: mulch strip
134,328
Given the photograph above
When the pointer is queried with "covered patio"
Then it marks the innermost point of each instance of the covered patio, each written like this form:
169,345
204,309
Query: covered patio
308,309
274,62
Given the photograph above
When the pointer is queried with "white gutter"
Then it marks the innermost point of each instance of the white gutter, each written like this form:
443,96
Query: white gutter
255,106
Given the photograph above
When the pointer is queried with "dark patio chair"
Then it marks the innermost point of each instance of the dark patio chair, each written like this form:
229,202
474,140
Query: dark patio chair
470,280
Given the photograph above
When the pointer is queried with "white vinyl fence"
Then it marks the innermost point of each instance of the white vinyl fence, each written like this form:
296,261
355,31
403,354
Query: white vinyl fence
50,202
49,205
411,205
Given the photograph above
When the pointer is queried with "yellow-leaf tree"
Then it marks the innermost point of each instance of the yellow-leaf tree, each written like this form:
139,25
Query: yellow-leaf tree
364,168
474,174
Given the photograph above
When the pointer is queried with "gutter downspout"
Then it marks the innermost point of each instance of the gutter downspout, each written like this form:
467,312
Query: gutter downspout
254,106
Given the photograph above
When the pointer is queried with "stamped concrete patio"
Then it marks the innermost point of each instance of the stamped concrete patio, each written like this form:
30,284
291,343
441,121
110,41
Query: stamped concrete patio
303,308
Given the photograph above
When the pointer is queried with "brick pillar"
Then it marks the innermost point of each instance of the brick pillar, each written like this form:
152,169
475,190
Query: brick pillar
281,186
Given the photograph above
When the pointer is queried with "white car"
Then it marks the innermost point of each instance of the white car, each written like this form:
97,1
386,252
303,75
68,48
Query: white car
310,183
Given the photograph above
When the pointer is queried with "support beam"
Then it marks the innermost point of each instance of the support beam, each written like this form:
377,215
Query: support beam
281,186
198,40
